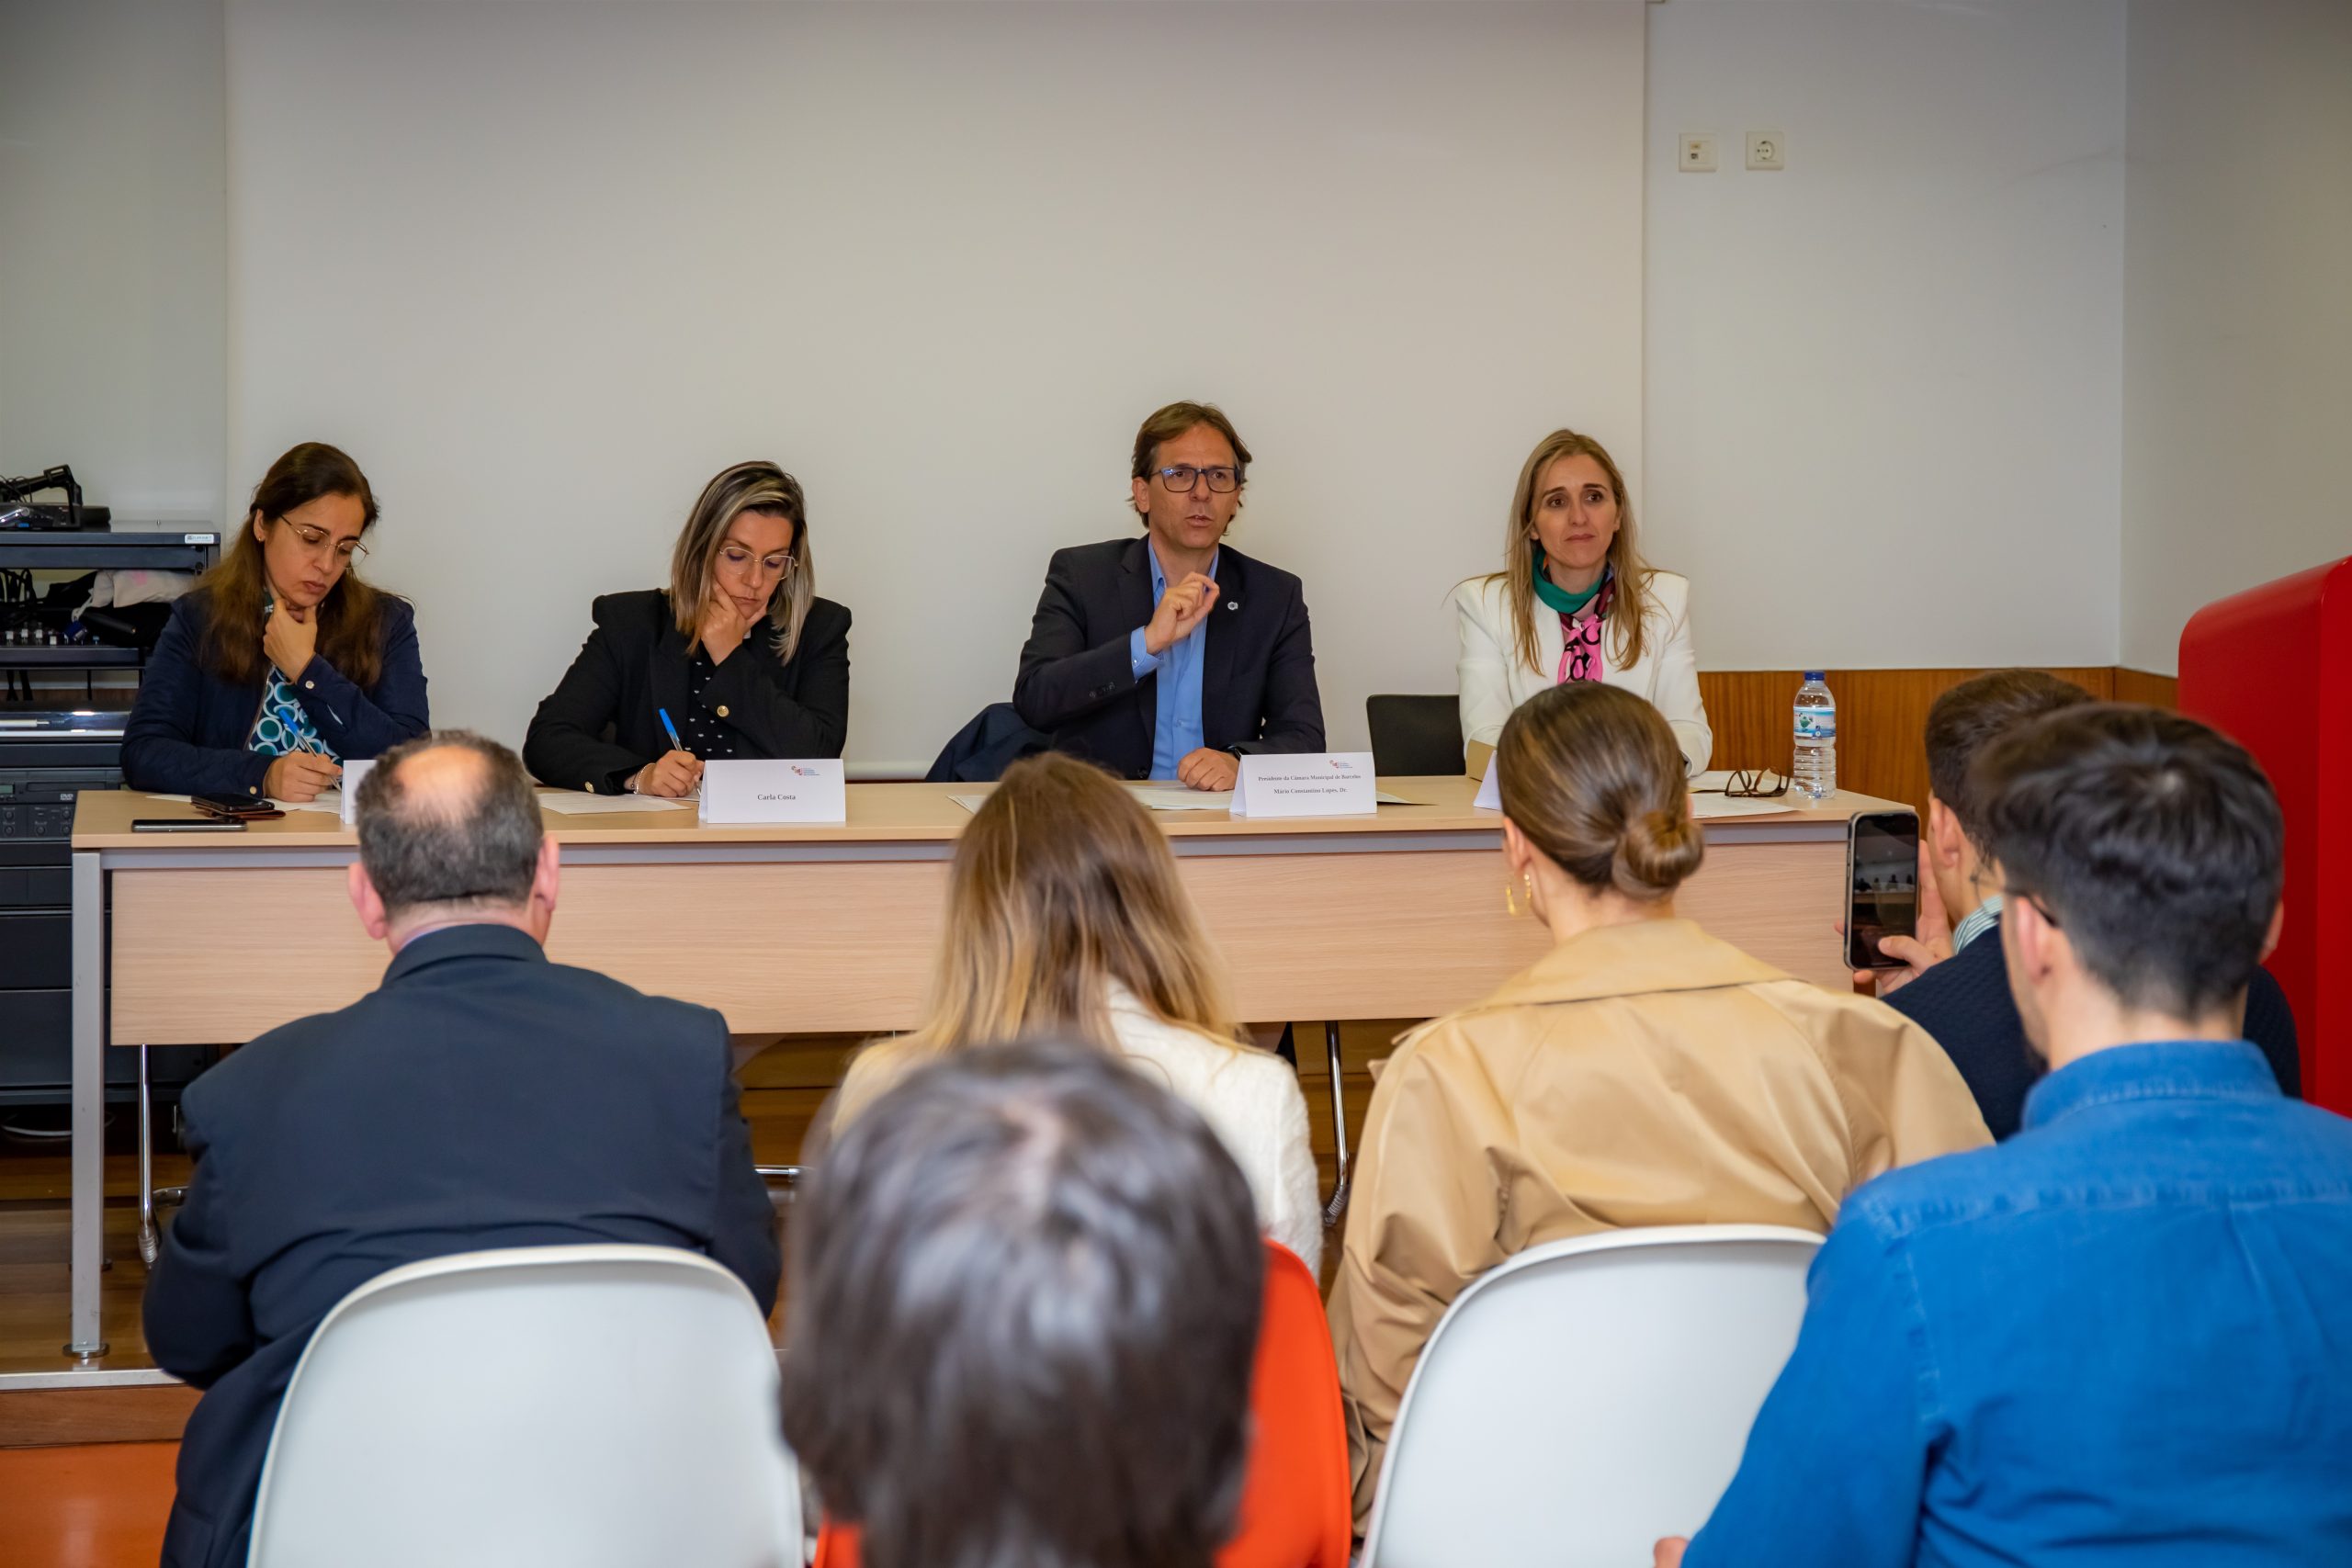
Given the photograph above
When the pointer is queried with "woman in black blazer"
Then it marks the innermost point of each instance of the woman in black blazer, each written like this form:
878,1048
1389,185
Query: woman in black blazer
739,652
281,665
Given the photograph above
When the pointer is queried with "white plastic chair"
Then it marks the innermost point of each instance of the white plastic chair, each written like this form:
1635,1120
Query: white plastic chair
588,1406
1588,1397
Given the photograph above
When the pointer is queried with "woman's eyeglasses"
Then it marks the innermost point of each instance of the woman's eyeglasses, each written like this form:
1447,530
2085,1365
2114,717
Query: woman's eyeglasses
315,540
1750,783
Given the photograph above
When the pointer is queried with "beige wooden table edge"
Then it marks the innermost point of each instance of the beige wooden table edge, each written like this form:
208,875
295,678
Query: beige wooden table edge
878,813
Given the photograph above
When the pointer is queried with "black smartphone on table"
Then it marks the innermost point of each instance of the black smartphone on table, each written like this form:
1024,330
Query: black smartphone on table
1882,885
235,808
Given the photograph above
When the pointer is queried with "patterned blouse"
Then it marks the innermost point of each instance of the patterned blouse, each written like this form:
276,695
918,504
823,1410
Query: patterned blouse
1580,638
706,736
283,725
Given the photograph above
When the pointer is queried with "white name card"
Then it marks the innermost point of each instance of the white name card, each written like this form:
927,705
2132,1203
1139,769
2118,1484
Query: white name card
352,774
809,791
1319,783
1490,789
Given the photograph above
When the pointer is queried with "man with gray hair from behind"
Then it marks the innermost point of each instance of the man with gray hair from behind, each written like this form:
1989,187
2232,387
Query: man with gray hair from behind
479,1097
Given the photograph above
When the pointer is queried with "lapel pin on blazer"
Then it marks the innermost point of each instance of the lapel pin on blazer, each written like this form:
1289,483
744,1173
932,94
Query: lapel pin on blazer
1233,603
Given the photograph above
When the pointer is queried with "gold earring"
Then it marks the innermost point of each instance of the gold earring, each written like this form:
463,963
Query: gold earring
1510,894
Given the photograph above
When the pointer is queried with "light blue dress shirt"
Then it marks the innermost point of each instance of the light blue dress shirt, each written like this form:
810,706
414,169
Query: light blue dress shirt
1985,916
2117,1340
1176,723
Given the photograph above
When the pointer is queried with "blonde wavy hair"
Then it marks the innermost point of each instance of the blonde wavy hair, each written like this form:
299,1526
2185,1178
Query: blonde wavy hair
1633,598
1061,886
766,490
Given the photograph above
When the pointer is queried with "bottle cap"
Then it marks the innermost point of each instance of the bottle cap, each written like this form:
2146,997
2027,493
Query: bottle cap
1816,675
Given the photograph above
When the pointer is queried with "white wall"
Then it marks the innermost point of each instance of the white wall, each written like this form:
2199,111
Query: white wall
112,250
545,268
1883,411
2238,300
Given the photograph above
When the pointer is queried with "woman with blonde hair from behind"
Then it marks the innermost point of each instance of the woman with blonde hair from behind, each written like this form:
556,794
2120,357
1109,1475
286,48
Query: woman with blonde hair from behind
1065,916
1641,1073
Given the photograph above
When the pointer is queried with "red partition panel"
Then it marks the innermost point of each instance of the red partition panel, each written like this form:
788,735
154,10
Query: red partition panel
2272,667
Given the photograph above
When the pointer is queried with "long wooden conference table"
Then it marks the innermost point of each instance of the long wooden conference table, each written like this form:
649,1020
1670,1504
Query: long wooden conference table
211,939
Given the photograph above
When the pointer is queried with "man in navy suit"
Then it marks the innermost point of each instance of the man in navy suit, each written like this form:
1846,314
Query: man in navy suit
1171,656
480,1097
1953,984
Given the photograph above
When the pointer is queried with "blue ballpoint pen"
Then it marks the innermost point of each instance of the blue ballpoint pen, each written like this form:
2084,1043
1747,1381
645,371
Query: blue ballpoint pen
674,742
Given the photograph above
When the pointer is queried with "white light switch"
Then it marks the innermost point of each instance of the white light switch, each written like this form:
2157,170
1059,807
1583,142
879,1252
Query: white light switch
1767,150
1698,155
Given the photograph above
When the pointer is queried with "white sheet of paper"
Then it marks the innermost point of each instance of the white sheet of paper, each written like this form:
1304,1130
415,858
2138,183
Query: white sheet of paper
331,800
352,771
813,789
1490,790
1176,797
578,803
1312,784
1707,807
328,800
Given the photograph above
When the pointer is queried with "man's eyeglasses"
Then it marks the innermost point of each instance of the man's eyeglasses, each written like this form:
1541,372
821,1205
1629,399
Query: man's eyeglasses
315,539
1221,479
1750,783
742,559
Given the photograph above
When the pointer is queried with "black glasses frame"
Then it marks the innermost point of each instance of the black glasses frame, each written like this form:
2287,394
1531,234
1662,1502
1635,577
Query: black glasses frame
1750,783
1178,477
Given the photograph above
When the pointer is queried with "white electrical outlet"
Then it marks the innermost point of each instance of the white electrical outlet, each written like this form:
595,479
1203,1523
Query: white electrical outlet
1767,150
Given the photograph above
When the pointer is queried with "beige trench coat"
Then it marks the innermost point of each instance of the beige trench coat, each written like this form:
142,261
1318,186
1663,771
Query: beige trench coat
1637,1074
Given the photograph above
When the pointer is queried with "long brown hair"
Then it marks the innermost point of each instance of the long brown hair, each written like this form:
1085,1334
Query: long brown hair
1632,595
351,617
1060,887
1592,775
766,490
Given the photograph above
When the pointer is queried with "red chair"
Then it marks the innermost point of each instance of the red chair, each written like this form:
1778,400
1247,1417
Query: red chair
2272,667
1297,1511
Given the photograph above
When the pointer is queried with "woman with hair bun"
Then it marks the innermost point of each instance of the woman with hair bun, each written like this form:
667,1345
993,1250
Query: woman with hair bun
1642,1073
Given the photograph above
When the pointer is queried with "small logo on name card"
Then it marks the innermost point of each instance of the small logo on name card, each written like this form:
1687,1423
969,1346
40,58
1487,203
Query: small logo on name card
803,772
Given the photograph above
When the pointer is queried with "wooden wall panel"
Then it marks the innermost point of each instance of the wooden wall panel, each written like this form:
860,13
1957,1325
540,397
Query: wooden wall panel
2139,686
1881,718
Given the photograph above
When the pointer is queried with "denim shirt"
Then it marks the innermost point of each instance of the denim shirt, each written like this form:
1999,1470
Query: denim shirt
1176,727
2122,1336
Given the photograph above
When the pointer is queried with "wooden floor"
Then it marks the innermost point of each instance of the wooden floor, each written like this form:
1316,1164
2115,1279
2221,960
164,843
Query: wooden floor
786,1081
98,1505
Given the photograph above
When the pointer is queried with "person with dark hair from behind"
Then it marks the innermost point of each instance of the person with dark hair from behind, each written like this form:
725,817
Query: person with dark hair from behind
1171,655
2118,1337
1025,1293
1952,983
480,1097
280,664
1642,1073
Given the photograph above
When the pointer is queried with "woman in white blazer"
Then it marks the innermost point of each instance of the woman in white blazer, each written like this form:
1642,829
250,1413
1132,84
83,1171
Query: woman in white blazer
1065,918
1574,601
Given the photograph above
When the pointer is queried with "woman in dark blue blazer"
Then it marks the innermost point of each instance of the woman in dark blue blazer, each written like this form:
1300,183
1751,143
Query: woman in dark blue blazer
281,664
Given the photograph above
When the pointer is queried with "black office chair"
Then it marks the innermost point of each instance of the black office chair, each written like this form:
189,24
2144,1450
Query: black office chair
1415,734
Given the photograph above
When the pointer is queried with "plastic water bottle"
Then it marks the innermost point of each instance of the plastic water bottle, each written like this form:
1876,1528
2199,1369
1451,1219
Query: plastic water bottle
1816,738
